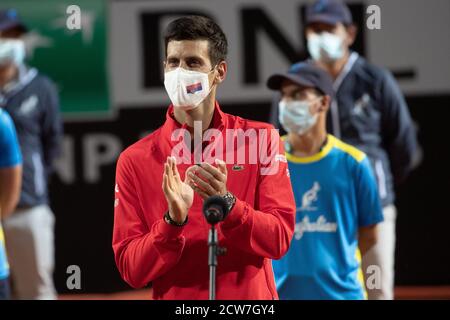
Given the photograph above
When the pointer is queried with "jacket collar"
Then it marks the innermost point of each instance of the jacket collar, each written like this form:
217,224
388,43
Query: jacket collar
219,122
24,77
346,70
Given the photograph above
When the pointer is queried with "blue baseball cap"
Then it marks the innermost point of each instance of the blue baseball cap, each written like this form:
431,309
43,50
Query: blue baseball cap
9,18
328,11
305,74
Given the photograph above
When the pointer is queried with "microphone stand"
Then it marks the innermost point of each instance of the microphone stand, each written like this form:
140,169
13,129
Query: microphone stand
213,252
215,210
212,261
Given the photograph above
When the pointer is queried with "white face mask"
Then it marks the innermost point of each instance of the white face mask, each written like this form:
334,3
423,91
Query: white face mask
186,89
326,47
12,50
296,117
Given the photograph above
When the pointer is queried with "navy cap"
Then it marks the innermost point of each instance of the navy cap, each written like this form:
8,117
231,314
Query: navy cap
304,74
329,12
10,19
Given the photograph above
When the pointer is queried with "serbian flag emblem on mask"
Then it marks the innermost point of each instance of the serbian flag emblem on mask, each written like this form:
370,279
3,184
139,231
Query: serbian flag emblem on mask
193,88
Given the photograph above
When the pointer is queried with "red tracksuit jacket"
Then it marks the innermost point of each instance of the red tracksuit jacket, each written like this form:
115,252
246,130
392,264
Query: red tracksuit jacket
175,259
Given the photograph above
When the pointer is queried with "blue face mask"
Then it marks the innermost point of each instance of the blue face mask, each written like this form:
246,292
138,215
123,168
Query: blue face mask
296,117
326,47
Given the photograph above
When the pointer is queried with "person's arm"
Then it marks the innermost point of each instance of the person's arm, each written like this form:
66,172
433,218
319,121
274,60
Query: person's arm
10,184
267,229
10,166
368,204
367,238
398,132
142,253
52,127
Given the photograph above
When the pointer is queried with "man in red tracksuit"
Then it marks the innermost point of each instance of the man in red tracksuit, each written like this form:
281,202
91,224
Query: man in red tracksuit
160,234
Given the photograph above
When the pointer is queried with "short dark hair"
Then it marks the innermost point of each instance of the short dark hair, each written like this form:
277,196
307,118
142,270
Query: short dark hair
199,28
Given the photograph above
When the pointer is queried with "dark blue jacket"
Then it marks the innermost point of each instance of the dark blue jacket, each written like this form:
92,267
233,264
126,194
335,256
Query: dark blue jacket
32,101
370,113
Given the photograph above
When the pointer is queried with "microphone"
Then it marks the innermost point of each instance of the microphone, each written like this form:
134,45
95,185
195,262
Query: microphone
215,209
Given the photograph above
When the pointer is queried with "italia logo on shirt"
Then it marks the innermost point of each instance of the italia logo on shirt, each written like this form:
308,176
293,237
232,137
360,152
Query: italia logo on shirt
320,225
193,88
308,225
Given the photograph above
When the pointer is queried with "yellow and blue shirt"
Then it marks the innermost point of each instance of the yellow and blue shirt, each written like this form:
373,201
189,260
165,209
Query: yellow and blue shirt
10,156
335,193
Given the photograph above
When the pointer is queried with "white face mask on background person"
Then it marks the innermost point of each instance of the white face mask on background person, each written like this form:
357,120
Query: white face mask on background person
186,88
12,50
325,47
295,116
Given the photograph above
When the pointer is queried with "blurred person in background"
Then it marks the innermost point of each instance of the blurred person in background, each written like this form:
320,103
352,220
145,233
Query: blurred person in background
32,101
10,181
370,113
338,208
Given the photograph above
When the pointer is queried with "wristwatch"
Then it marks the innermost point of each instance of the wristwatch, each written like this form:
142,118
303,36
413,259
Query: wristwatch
169,220
230,199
